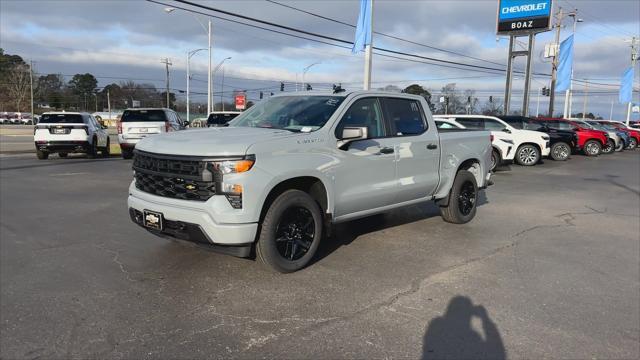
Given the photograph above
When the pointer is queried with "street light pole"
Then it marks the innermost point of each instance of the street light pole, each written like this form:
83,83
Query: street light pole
189,55
213,74
568,97
304,72
209,31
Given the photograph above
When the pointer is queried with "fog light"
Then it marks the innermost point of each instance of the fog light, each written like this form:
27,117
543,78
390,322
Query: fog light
232,189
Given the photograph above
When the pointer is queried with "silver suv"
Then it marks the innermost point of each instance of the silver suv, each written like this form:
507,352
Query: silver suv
136,124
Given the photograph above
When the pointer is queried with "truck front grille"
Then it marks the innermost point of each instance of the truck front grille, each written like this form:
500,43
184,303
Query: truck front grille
185,178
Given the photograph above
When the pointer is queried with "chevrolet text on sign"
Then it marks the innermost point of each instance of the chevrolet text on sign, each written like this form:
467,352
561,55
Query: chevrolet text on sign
517,16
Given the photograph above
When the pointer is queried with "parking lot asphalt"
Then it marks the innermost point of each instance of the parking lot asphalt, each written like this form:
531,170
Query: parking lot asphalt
549,268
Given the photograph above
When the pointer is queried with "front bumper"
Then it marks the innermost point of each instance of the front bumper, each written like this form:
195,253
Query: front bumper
62,146
547,149
190,221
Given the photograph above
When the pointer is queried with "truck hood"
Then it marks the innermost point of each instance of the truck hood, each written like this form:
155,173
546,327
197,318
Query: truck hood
222,141
534,134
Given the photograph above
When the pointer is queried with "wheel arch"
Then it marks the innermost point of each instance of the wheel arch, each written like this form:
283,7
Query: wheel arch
312,185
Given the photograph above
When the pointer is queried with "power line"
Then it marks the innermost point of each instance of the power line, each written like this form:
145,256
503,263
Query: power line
385,35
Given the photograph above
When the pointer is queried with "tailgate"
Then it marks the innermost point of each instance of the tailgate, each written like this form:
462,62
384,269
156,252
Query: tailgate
138,130
60,132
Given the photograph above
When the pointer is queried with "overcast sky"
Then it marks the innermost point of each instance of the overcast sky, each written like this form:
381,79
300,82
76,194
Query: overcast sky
125,39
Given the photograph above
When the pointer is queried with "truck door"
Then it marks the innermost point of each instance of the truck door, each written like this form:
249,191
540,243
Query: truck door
366,177
417,149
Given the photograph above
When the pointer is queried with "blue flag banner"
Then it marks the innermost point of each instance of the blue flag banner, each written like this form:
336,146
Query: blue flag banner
626,86
565,64
363,28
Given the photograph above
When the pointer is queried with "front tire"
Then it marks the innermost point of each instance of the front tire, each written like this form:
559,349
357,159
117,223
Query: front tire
42,155
610,148
527,155
495,159
463,198
127,153
62,155
560,151
290,232
592,148
632,144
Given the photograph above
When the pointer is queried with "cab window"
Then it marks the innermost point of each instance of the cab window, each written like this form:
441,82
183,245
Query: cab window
405,116
363,113
493,125
471,123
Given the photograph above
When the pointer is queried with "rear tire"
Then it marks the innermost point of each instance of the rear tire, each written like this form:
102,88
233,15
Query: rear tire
527,155
42,155
92,152
463,198
62,155
127,153
560,151
592,148
290,232
107,149
610,148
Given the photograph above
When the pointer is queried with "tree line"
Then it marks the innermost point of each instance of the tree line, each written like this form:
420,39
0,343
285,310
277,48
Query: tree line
80,93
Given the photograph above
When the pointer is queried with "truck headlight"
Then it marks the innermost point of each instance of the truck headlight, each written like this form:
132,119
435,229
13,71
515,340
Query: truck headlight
545,137
234,166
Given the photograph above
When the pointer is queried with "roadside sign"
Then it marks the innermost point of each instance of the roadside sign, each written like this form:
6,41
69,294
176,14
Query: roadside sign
523,16
636,109
241,101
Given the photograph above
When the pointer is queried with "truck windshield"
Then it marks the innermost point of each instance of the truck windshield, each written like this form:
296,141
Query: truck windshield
61,119
293,113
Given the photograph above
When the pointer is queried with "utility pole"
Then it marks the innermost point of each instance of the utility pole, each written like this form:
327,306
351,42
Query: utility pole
554,66
507,91
611,112
167,62
634,60
222,89
538,106
31,80
210,76
109,104
586,98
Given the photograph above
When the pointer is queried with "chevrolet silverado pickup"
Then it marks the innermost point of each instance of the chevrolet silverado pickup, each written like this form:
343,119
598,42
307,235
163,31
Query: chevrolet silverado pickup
282,172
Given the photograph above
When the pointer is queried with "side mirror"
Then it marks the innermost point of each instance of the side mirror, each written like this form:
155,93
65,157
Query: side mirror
506,130
105,127
350,134
576,129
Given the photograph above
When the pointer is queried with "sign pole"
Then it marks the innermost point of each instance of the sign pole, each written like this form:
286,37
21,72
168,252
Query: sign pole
368,55
554,66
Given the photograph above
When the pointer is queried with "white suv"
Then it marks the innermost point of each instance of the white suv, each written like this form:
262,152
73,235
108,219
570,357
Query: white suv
525,147
136,124
70,132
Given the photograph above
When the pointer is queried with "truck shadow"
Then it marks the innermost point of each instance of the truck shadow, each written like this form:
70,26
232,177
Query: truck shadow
345,233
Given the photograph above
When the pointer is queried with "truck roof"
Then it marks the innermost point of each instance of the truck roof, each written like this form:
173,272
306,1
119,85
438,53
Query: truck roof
346,93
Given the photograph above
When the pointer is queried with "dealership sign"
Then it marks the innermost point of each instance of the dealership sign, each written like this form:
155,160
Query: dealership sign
523,16
241,101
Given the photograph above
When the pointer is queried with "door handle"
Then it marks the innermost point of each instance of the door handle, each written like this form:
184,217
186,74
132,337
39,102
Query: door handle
386,150
432,146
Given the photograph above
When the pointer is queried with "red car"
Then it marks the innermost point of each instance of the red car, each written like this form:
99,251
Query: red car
634,134
590,141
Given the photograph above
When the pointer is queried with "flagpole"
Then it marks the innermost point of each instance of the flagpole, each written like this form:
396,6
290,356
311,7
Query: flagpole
367,55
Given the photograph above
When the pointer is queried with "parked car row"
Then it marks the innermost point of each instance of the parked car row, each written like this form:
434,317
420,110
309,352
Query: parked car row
17,118
526,141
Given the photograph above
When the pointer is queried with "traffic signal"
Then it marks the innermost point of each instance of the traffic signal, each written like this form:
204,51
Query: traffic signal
281,86
490,99
546,91
309,88
261,95
468,99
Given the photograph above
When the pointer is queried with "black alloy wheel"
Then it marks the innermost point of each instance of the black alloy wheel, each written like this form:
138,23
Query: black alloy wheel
467,198
295,233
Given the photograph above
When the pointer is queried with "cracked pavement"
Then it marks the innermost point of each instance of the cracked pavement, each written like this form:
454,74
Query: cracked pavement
550,268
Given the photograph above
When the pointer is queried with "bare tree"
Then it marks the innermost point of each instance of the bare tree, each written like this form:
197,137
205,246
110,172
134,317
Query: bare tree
18,84
493,107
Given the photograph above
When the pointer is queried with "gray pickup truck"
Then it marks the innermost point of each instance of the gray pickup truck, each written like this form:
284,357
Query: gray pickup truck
284,171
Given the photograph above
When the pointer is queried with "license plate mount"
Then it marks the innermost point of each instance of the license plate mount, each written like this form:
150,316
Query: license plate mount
153,220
